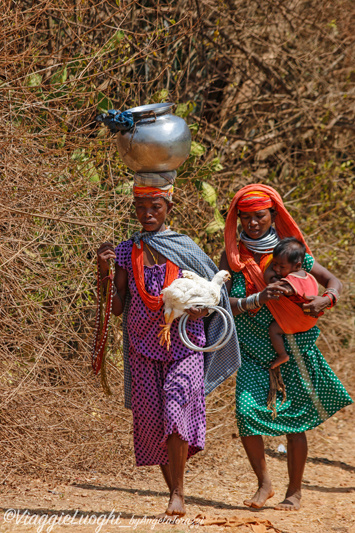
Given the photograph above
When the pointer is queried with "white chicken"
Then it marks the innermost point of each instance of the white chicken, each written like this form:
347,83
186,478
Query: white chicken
189,291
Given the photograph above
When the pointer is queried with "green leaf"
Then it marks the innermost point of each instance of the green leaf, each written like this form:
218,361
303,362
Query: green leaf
90,172
61,141
194,127
33,80
160,96
103,103
79,155
208,193
119,35
183,110
60,76
217,223
125,188
216,165
114,41
244,151
197,149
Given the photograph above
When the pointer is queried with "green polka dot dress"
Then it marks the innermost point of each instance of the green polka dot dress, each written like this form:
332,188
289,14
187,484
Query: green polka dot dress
314,393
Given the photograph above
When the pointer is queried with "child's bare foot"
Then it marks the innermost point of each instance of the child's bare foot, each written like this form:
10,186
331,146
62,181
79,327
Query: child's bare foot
262,494
292,502
280,360
176,504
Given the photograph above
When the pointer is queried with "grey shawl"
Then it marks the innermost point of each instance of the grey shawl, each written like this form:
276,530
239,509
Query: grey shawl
185,253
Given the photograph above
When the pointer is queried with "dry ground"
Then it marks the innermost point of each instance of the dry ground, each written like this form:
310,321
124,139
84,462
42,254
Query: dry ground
217,480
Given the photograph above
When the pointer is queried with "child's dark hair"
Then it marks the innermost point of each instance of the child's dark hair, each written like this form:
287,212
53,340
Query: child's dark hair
291,248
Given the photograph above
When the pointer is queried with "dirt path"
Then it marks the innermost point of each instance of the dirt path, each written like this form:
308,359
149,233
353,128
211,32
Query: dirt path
217,481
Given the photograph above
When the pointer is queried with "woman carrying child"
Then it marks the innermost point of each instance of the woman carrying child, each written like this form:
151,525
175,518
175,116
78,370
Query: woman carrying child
314,393
165,389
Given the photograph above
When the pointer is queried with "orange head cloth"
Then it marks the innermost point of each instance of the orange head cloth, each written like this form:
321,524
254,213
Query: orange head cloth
254,201
284,224
288,315
153,192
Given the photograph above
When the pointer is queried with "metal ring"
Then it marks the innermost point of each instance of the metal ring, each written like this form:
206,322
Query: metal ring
189,344
220,343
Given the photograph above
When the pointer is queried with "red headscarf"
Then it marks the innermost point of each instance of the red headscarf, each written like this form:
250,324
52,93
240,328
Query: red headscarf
254,201
152,192
256,197
284,224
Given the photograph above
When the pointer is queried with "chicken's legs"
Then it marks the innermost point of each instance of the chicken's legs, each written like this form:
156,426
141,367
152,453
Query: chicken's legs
165,332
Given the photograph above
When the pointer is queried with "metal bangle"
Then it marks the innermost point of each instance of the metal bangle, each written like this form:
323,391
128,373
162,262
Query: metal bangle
334,293
332,289
250,302
257,299
239,305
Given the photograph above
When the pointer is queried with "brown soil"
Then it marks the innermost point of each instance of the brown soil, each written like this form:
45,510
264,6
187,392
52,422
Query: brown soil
217,481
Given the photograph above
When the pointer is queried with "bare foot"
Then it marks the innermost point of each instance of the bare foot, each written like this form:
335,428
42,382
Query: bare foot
176,504
279,360
161,516
292,502
262,494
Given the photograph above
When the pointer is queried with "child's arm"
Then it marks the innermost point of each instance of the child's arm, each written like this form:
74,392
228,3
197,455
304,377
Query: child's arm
288,289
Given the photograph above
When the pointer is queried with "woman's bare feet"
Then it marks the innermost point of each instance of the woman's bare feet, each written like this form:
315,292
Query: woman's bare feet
292,502
176,504
262,494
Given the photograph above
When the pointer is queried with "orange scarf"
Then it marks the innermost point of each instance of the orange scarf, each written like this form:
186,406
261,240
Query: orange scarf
287,314
154,303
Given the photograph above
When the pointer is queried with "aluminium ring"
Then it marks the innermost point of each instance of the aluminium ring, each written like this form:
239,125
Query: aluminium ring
226,335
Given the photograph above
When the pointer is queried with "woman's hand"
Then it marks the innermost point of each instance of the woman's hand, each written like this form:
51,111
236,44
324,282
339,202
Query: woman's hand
104,254
272,292
195,313
316,305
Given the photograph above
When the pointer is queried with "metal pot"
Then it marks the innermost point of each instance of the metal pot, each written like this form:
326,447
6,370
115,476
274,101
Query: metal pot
158,141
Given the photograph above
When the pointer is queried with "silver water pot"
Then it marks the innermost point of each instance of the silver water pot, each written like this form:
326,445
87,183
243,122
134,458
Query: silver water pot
158,140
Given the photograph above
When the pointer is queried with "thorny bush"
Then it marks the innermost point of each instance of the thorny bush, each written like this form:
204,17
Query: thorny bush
268,92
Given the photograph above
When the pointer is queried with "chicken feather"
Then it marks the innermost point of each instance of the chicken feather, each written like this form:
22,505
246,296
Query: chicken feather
189,291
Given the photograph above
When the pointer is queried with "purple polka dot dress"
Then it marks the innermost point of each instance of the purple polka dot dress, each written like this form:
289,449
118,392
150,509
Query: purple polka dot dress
167,387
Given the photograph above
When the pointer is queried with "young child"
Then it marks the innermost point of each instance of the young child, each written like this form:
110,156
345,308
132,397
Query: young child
286,264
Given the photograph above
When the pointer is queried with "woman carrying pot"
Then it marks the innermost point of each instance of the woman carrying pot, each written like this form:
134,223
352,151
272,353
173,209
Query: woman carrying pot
165,389
314,393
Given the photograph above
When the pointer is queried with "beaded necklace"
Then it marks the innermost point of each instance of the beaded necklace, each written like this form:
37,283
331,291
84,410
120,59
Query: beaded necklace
101,326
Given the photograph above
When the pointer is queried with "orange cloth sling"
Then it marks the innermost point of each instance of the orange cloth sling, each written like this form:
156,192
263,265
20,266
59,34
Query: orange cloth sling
287,314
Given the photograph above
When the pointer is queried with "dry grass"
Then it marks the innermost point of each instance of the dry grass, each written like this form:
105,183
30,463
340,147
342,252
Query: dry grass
269,95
